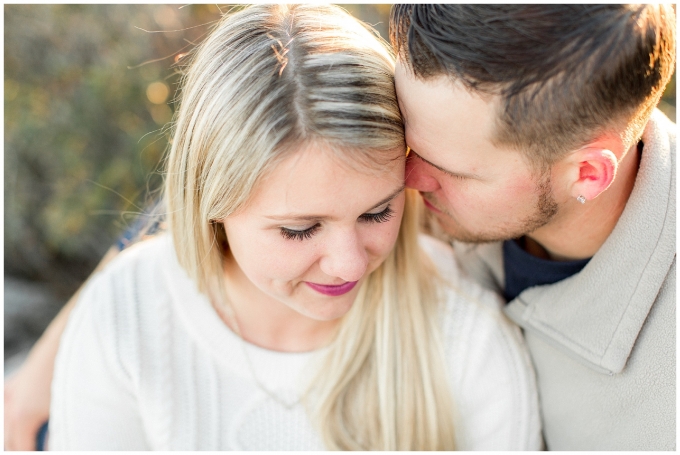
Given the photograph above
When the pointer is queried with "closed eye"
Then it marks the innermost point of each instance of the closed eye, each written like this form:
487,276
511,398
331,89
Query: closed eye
305,234
413,154
292,234
379,217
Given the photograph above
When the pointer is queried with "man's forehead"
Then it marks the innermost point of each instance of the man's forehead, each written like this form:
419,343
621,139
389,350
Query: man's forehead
447,104
448,125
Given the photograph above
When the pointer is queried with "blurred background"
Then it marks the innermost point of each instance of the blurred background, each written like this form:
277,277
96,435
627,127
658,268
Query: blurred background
88,92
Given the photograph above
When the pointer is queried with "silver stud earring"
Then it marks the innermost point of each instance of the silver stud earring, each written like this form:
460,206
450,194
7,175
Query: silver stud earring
581,199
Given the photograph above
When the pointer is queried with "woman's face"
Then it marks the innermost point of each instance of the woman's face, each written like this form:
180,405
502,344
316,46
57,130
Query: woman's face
314,230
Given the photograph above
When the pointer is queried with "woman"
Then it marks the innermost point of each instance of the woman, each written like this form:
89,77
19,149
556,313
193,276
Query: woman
290,306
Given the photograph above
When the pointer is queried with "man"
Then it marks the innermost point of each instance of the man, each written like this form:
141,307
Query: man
535,142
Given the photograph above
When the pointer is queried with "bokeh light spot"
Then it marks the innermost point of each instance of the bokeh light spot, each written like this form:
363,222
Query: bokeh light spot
157,92
161,113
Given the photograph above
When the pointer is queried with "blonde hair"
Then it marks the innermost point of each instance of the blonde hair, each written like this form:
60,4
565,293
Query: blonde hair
268,80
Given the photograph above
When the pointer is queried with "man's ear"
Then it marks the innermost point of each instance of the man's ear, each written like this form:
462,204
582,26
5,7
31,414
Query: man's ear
592,171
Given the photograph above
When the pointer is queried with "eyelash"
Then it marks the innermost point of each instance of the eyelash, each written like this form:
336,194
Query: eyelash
291,234
456,176
381,217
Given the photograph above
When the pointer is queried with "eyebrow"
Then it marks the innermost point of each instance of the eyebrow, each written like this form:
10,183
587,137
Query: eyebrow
294,217
388,198
446,171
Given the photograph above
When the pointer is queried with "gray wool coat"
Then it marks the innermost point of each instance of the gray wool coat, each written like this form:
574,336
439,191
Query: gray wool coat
603,341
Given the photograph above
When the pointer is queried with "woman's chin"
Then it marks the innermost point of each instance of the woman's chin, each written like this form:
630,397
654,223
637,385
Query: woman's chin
327,308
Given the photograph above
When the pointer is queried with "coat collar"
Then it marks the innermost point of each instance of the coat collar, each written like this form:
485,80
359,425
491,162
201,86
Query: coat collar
596,315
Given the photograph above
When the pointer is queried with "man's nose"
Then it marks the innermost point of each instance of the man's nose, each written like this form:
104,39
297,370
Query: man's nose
419,175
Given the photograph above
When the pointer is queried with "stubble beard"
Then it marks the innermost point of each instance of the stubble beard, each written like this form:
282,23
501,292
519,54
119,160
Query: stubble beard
545,210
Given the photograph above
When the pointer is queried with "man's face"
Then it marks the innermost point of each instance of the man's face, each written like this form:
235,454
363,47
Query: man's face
478,191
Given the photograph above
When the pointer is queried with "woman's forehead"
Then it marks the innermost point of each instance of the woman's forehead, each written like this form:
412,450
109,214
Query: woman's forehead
323,158
315,175
358,159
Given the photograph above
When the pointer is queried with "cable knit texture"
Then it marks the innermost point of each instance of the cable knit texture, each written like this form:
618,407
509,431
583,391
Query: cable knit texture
145,363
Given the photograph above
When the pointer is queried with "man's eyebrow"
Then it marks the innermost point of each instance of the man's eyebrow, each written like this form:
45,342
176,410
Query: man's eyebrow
446,171
293,217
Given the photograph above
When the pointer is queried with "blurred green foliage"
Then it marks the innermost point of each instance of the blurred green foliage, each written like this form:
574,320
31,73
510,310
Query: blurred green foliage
88,89
82,137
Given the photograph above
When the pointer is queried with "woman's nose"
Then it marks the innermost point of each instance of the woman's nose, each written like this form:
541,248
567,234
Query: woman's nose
345,257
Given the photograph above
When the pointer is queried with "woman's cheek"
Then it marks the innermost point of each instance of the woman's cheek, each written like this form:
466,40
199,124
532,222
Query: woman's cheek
381,238
394,224
285,259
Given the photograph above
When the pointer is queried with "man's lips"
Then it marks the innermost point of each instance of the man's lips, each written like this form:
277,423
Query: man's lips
332,290
429,205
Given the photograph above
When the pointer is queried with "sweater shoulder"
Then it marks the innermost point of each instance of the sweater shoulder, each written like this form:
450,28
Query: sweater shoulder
134,277
492,380
459,287
139,257
125,298
472,316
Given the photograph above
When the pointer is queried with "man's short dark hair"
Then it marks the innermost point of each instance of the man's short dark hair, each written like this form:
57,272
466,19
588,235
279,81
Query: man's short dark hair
565,73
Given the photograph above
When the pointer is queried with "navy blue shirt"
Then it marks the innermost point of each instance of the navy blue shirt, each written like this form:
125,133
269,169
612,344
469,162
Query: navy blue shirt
523,270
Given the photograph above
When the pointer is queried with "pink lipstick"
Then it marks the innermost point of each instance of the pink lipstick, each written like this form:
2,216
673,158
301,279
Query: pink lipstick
332,290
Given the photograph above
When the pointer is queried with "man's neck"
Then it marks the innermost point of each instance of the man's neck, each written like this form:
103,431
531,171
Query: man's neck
580,231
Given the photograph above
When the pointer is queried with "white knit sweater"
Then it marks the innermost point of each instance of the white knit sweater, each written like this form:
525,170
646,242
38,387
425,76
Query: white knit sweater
146,363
